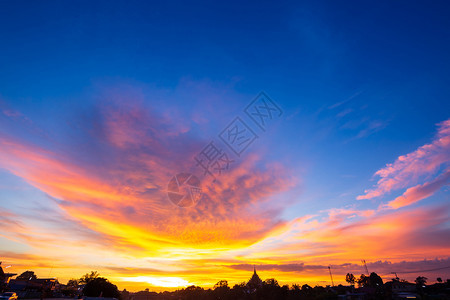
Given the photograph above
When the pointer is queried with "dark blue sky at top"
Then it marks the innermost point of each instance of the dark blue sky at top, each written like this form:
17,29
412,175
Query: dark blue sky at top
385,62
288,46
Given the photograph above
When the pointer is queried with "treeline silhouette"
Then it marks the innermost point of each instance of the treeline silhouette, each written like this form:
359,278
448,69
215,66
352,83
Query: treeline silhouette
365,287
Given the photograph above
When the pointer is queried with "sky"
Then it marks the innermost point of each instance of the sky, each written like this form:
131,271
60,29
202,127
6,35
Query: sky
317,132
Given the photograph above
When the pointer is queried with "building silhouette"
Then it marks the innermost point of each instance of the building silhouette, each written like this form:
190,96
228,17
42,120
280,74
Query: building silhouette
4,278
254,282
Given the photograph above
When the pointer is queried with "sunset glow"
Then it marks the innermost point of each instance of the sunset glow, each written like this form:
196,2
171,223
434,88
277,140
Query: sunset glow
110,104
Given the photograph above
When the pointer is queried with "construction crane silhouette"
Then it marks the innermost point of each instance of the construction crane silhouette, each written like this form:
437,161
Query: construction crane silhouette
396,277
331,276
365,266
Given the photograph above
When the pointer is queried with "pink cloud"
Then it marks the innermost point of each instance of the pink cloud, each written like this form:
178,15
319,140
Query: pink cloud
409,169
419,192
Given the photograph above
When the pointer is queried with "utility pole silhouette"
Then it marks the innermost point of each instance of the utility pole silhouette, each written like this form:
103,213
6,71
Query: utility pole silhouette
331,276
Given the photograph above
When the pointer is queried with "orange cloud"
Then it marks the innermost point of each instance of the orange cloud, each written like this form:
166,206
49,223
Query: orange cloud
392,235
116,185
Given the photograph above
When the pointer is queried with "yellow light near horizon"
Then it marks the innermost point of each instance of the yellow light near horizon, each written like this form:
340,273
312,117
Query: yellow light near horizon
159,281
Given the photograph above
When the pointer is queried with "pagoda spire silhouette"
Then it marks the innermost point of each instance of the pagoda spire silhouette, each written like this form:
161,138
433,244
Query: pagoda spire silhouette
255,281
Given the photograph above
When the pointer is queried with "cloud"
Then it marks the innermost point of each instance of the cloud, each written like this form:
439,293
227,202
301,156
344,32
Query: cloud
408,169
346,213
107,170
371,127
296,267
336,238
402,268
112,177
383,268
419,192
11,114
351,118
338,104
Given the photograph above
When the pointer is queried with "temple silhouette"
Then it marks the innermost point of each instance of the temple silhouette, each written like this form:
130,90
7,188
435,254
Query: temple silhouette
254,282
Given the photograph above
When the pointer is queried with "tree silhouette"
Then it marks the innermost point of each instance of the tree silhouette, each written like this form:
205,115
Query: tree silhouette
238,291
350,278
272,290
221,284
72,283
193,292
375,280
86,278
101,287
272,282
221,290
421,281
439,279
363,280
71,288
306,287
420,284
